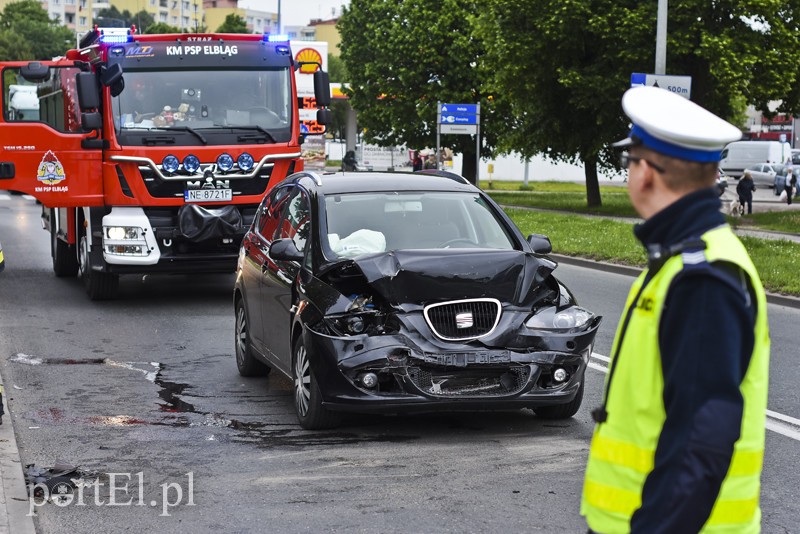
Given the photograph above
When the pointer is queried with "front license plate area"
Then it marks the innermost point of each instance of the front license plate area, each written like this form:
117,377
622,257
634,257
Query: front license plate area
208,195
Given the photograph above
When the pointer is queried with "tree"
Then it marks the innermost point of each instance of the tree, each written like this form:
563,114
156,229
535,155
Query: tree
233,24
161,27
403,57
564,64
28,29
112,17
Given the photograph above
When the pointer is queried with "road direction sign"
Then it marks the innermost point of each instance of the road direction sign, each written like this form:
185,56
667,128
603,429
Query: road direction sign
463,109
467,129
681,85
459,119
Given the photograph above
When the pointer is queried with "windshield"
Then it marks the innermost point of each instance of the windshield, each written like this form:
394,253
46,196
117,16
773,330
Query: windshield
223,100
368,223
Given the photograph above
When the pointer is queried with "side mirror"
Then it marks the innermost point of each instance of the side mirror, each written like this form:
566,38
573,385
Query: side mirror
117,87
91,121
285,250
35,72
324,116
111,75
88,92
540,243
322,88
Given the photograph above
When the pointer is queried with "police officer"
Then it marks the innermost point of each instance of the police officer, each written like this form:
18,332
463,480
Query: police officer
679,440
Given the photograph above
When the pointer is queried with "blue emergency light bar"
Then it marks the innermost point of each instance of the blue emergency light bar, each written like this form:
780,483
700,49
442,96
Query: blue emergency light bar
115,35
278,38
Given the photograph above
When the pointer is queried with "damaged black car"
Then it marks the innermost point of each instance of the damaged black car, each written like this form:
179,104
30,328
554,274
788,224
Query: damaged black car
405,292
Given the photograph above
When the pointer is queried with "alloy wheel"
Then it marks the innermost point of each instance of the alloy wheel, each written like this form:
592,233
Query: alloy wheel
302,381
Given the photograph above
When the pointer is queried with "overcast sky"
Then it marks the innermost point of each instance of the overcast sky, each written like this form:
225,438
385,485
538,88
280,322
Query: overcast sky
298,12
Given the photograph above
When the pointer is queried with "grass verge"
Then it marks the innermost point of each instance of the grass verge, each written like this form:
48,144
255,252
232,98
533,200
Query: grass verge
613,241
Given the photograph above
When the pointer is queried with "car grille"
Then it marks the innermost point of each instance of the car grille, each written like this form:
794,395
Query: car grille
461,320
498,382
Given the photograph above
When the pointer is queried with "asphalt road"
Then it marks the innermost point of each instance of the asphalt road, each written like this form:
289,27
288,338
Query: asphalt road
146,387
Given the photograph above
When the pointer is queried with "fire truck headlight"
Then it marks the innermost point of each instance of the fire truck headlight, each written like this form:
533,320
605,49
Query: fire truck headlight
191,163
119,233
225,162
170,164
245,162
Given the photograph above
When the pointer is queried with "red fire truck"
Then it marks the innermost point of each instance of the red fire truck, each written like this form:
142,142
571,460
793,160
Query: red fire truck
151,153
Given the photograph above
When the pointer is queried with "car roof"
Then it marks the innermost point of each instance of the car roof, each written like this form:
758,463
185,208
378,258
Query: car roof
361,182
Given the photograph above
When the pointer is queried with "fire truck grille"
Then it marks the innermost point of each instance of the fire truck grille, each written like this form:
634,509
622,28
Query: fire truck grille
160,189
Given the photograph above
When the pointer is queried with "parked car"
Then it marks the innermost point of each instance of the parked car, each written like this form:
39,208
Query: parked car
739,155
780,181
405,292
722,182
764,173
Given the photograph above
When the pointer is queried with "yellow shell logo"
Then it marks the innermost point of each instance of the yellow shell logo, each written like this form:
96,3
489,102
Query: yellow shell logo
50,171
309,55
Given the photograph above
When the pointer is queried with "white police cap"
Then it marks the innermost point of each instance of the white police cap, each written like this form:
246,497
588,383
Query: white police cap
674,126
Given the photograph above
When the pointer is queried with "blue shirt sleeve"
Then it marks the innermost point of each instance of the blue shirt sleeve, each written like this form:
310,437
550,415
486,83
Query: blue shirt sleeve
706,339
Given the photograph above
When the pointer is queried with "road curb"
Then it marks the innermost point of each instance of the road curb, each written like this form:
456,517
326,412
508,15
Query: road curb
772,298
14,504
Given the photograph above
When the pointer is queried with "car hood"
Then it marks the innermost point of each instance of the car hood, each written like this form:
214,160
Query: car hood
423,276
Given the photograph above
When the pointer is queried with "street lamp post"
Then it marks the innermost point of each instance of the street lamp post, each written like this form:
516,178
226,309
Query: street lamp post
661,38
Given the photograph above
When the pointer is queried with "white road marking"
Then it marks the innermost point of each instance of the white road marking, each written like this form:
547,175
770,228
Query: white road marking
777,422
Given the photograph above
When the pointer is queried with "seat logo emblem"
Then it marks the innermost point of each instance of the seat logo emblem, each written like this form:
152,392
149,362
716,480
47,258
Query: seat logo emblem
464,320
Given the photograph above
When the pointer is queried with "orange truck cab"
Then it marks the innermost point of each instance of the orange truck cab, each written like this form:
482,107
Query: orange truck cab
151,153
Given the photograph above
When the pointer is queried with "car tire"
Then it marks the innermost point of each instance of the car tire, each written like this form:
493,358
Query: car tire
246,363
99,285
307,397
561,411
65,260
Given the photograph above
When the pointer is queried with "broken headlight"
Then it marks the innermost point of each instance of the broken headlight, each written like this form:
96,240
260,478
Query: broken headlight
353,324
552,318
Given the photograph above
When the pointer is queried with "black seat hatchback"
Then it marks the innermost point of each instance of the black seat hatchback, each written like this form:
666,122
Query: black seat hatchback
405,292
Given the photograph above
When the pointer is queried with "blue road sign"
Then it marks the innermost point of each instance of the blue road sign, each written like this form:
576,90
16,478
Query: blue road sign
459,119
463,109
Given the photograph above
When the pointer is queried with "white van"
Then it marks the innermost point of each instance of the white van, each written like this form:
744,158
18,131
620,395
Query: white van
739,155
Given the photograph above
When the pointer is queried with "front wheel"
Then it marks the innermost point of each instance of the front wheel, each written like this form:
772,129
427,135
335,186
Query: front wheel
99,285
307,397
65,260
561,411
245,362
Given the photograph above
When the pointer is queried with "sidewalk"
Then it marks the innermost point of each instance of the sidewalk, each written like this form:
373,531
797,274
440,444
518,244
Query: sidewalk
14,517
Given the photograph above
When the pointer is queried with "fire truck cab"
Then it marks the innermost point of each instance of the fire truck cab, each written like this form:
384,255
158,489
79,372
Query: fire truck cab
151,153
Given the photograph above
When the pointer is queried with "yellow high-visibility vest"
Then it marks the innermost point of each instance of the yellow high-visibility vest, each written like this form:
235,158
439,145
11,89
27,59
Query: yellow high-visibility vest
623,448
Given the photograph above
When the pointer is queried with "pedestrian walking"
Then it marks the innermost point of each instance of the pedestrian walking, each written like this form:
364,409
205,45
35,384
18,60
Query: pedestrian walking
679,440
745,189
790,185
416,162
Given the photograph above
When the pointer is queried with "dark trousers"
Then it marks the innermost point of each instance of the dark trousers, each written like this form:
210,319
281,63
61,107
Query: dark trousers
749,203
788,194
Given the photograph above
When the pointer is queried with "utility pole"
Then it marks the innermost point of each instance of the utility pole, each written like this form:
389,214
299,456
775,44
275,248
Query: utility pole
661,38
279,17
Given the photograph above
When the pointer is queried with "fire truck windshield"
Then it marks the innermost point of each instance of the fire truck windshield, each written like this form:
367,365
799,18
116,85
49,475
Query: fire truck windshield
220,103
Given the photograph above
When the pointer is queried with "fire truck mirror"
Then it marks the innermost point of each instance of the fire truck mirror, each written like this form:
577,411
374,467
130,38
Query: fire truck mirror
111,75
91,121
118,87
322,88
324,116
35,72
88,93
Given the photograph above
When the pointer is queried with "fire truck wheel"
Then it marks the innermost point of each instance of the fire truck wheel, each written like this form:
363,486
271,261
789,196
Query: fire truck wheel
99,285
65,260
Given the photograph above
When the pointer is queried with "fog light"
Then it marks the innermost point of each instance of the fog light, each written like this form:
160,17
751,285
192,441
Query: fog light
559,375
170,164
245,162
225,162
191,163
369,380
